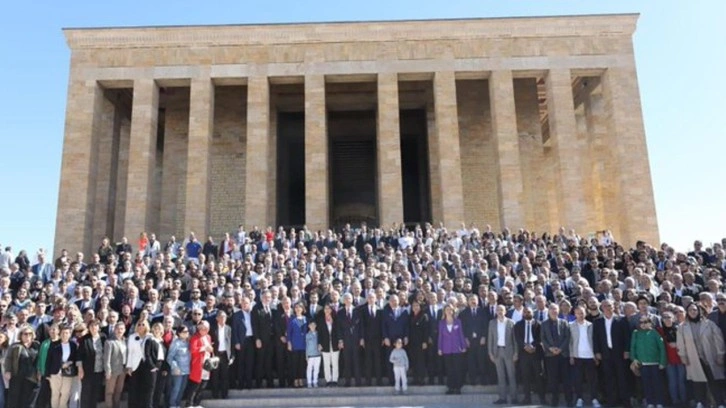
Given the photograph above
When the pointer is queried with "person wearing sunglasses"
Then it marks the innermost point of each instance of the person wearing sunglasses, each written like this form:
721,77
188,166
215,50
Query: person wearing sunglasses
648,352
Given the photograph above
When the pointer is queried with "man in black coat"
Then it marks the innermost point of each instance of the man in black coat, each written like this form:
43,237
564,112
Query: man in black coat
529,346
473,324
350,337
264,331
283,357
434,360
611,344
371,338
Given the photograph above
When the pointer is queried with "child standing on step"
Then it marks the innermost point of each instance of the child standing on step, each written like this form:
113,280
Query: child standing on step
399,359
312,353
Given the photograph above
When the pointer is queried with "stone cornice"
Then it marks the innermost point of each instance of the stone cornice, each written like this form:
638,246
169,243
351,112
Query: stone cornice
307,33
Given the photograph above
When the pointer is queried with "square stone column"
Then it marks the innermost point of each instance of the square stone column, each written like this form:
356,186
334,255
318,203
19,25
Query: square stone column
388,143
257,188
636,208
142,159
74,222
317,183
201,124
563,136
506,140
451,190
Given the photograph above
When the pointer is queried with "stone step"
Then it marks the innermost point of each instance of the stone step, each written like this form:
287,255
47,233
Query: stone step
354,396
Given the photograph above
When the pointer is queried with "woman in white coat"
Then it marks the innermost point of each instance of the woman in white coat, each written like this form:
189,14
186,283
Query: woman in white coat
700,346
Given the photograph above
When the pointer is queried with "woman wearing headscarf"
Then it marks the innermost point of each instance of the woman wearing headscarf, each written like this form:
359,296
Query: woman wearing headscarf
701,348
675,370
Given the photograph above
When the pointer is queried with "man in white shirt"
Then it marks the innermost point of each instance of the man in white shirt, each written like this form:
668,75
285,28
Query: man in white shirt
582,357
503,353
221,334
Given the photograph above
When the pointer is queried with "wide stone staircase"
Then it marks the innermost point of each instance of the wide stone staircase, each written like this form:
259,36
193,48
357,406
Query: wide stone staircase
417,396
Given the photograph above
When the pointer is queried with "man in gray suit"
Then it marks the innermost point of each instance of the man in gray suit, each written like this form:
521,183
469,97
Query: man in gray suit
556,344
503,353
221,334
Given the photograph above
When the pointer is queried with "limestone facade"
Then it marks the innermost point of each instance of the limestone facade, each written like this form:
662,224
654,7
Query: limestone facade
527,123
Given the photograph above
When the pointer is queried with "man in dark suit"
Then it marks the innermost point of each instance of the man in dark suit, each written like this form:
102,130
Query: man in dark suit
611,344
371,338
529,344
555,335
244,343
283,356
350,338
394,326
264,331
473,324
313,308
435,361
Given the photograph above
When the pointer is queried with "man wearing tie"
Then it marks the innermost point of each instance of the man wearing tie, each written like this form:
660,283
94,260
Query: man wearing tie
349,340
435,361
395,326
527,334
540,311
611,338
263,327
472,321
314,308
371,338
555,334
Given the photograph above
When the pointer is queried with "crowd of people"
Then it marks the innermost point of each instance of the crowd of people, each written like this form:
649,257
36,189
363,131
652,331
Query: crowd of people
584,318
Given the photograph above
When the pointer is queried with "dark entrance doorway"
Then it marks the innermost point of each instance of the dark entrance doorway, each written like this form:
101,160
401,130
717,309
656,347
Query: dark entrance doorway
415,166
352,138
291,168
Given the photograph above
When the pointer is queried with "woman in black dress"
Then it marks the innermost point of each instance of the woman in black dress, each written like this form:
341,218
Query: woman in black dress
419,333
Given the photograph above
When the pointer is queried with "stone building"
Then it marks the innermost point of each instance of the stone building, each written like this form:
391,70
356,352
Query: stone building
519,122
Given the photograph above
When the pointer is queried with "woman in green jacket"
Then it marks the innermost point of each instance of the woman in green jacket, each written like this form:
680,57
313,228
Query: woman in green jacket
648,352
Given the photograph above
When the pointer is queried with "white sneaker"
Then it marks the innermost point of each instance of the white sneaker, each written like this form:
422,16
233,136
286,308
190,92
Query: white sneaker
699,405
579,403
596,403
649,406
659,406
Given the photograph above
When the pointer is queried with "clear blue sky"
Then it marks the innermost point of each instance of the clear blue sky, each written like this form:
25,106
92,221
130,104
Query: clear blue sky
680,51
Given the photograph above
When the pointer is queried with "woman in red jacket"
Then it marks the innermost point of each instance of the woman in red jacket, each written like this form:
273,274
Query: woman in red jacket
200,347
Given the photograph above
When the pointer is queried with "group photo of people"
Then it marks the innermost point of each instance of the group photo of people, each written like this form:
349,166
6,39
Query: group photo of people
554,319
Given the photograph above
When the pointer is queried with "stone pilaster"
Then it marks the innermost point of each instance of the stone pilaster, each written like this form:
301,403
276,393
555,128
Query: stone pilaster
451,189
625,125
563,136
317,184
142,158
74,222
257,188
201,123
388,141
506,140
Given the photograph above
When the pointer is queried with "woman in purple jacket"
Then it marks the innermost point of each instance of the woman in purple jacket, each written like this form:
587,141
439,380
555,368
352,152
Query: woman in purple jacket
452,346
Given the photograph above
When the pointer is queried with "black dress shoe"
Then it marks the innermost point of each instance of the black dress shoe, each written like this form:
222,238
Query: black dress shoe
527,401
449,391
514,402
500,402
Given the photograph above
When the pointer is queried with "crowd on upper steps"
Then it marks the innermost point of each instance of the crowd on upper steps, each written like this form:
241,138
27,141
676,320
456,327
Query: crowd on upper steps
587,319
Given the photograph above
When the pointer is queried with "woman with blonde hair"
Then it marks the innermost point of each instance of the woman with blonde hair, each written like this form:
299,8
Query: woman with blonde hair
20,368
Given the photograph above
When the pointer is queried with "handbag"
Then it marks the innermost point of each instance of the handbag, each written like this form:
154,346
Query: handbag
211,363
70,371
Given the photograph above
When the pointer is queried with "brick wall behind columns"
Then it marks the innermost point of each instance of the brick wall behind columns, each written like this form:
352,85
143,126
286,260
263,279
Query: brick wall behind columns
478,160
227,174
176,134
